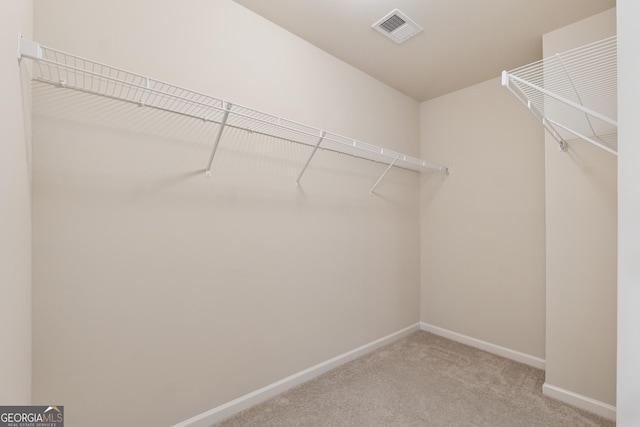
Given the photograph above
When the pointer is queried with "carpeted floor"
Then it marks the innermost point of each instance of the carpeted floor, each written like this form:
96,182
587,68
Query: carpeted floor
420,380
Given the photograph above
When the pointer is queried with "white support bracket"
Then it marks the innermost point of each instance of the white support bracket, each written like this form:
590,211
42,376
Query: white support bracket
566,101
322,134
384,173
577,94
215,144
28,48
532,108
584,137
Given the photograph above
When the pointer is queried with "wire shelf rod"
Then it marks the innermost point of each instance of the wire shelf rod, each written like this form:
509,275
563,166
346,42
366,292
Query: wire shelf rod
575,90
416,163
567,101
516,90
608,44
557,73
581,82
586,138
66,70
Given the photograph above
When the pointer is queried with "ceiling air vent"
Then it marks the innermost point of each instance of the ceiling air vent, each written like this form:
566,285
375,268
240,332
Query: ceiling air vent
397,26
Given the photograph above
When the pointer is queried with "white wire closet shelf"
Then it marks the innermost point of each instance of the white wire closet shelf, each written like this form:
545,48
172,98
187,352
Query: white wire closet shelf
573,94
69,71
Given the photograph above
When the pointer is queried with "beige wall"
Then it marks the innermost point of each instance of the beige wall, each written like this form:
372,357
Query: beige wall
165,294
482,228
162,294
15,208
628,384
581,220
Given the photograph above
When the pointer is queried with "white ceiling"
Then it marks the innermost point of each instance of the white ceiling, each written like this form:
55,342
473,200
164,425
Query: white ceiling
464,41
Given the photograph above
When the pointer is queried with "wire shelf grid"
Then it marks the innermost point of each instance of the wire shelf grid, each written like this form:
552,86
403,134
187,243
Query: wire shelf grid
70,71
574,94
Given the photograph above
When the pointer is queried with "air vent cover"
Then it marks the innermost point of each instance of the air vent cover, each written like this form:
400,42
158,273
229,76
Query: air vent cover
397,26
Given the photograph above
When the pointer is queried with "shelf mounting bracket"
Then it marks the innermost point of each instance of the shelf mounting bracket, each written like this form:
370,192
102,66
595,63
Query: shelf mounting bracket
315,148
384,173
533,110
215,144
28,48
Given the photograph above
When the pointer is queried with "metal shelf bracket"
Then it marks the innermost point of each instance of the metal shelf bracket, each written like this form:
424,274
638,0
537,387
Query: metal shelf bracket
223,123
322,134
384,173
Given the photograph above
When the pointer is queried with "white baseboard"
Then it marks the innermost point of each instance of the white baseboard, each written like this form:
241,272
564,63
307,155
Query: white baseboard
527,359
206,419
579,401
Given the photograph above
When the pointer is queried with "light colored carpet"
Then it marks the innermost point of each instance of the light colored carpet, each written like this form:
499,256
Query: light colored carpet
420,380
